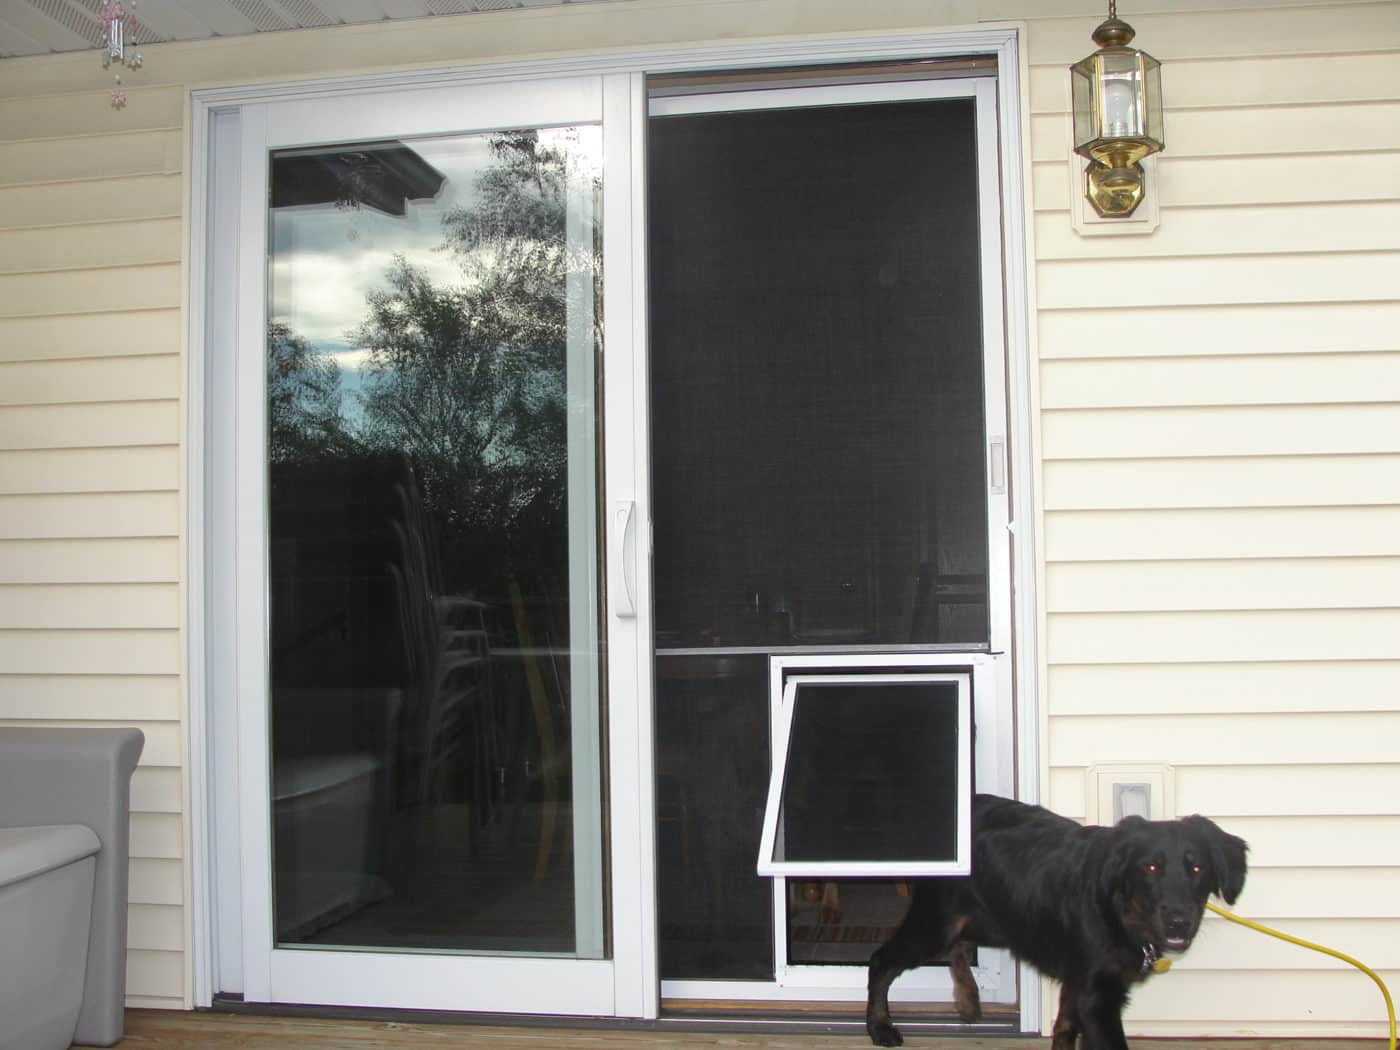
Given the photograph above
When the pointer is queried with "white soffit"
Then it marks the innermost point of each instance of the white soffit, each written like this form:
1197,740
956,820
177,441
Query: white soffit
40,27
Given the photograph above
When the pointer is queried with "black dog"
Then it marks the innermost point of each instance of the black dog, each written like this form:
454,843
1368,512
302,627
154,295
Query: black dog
1093,907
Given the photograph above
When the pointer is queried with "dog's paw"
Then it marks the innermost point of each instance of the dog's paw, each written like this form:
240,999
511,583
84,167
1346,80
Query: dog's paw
968,1004
884,1034
969,1013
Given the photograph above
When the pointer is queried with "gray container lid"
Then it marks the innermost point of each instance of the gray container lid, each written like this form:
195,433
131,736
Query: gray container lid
26,852
311,774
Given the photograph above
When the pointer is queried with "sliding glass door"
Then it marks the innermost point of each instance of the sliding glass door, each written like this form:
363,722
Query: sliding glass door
422,701
471,346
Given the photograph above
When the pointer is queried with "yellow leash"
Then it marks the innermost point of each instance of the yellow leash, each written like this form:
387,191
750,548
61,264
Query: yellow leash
1389,1006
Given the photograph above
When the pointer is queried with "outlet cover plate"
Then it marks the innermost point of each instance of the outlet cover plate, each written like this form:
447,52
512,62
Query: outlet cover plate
1101,780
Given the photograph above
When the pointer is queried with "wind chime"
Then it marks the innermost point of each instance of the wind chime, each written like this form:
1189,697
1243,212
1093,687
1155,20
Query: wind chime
116,24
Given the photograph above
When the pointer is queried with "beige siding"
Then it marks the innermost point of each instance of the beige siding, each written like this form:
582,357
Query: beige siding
66,606
90,435
90,201
1348,227
1223,380
90,515
1229,330
91,379
94,336
1230,532
1191,687
85,426
138,559
1233,430
64,159
157,882
1221,489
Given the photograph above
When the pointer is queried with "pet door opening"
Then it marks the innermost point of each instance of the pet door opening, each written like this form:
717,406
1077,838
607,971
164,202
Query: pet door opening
872,775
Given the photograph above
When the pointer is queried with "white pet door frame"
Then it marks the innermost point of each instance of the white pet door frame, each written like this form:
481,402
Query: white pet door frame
988,679
916,838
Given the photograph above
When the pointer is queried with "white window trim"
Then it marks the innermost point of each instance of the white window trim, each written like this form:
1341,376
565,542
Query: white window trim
1004,40
784,709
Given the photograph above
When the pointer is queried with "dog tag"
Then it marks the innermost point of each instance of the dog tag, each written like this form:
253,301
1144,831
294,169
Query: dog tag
1161,965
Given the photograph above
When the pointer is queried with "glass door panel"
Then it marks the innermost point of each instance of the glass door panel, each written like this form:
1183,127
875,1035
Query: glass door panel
432,544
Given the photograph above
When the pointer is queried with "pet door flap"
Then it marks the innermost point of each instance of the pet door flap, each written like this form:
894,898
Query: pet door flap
872,775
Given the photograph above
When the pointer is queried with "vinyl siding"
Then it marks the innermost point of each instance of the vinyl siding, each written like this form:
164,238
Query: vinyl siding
1221,490
90,435
1218,503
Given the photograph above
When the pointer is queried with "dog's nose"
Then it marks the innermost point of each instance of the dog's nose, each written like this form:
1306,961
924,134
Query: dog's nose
1178,926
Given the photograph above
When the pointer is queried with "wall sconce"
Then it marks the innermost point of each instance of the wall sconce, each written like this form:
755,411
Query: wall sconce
1117,93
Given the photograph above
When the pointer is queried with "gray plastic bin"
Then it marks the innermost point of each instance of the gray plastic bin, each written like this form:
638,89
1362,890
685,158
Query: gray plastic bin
80,776
45,915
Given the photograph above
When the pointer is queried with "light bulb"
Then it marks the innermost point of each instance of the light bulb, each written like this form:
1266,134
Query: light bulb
1119,109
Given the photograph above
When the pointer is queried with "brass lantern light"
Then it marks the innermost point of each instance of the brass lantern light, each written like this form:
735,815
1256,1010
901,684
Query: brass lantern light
1117,94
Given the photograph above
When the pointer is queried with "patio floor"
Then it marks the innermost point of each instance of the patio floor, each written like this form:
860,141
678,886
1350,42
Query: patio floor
171,1030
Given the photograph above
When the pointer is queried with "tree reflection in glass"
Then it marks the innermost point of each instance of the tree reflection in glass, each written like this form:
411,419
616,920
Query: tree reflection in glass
430,376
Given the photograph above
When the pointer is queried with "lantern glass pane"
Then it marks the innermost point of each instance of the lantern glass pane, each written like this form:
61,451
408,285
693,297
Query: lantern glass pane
1120,95
1152,87
1085,105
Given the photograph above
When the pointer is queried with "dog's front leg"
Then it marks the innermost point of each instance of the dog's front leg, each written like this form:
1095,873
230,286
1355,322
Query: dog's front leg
965,995
925,932
1099,1004
885,966
1067,1027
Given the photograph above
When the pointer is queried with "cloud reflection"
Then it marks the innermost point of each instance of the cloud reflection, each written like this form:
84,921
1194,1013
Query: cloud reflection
327,259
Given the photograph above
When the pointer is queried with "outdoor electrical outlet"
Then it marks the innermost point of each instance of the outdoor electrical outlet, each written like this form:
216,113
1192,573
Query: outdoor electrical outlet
1132,800
1114,790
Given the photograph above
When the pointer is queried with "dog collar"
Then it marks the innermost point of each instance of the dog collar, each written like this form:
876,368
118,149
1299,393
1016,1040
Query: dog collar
1153,960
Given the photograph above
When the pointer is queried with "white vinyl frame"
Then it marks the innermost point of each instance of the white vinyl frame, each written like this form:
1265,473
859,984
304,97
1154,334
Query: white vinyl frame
217,953
783,709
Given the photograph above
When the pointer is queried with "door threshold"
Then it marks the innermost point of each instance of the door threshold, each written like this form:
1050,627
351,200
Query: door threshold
829,1017
930,1019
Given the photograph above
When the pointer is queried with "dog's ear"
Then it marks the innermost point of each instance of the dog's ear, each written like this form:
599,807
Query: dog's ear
1227,856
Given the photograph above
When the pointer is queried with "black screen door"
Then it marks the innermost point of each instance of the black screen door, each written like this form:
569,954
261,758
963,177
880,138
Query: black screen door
819,449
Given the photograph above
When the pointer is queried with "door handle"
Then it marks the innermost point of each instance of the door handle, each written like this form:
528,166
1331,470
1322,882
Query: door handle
996,462
623,560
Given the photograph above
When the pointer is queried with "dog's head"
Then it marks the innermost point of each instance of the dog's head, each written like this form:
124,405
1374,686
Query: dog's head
1161,873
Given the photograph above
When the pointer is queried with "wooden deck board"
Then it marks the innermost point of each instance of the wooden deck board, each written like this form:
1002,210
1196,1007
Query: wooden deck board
173,1030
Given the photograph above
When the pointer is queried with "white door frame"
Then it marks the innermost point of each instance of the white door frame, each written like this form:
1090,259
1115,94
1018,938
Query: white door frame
630,656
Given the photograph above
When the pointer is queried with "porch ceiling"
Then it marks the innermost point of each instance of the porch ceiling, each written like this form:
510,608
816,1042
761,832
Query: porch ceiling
39,27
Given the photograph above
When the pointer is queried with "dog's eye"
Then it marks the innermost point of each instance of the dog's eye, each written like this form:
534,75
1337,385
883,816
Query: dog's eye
1195,869
1153,868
